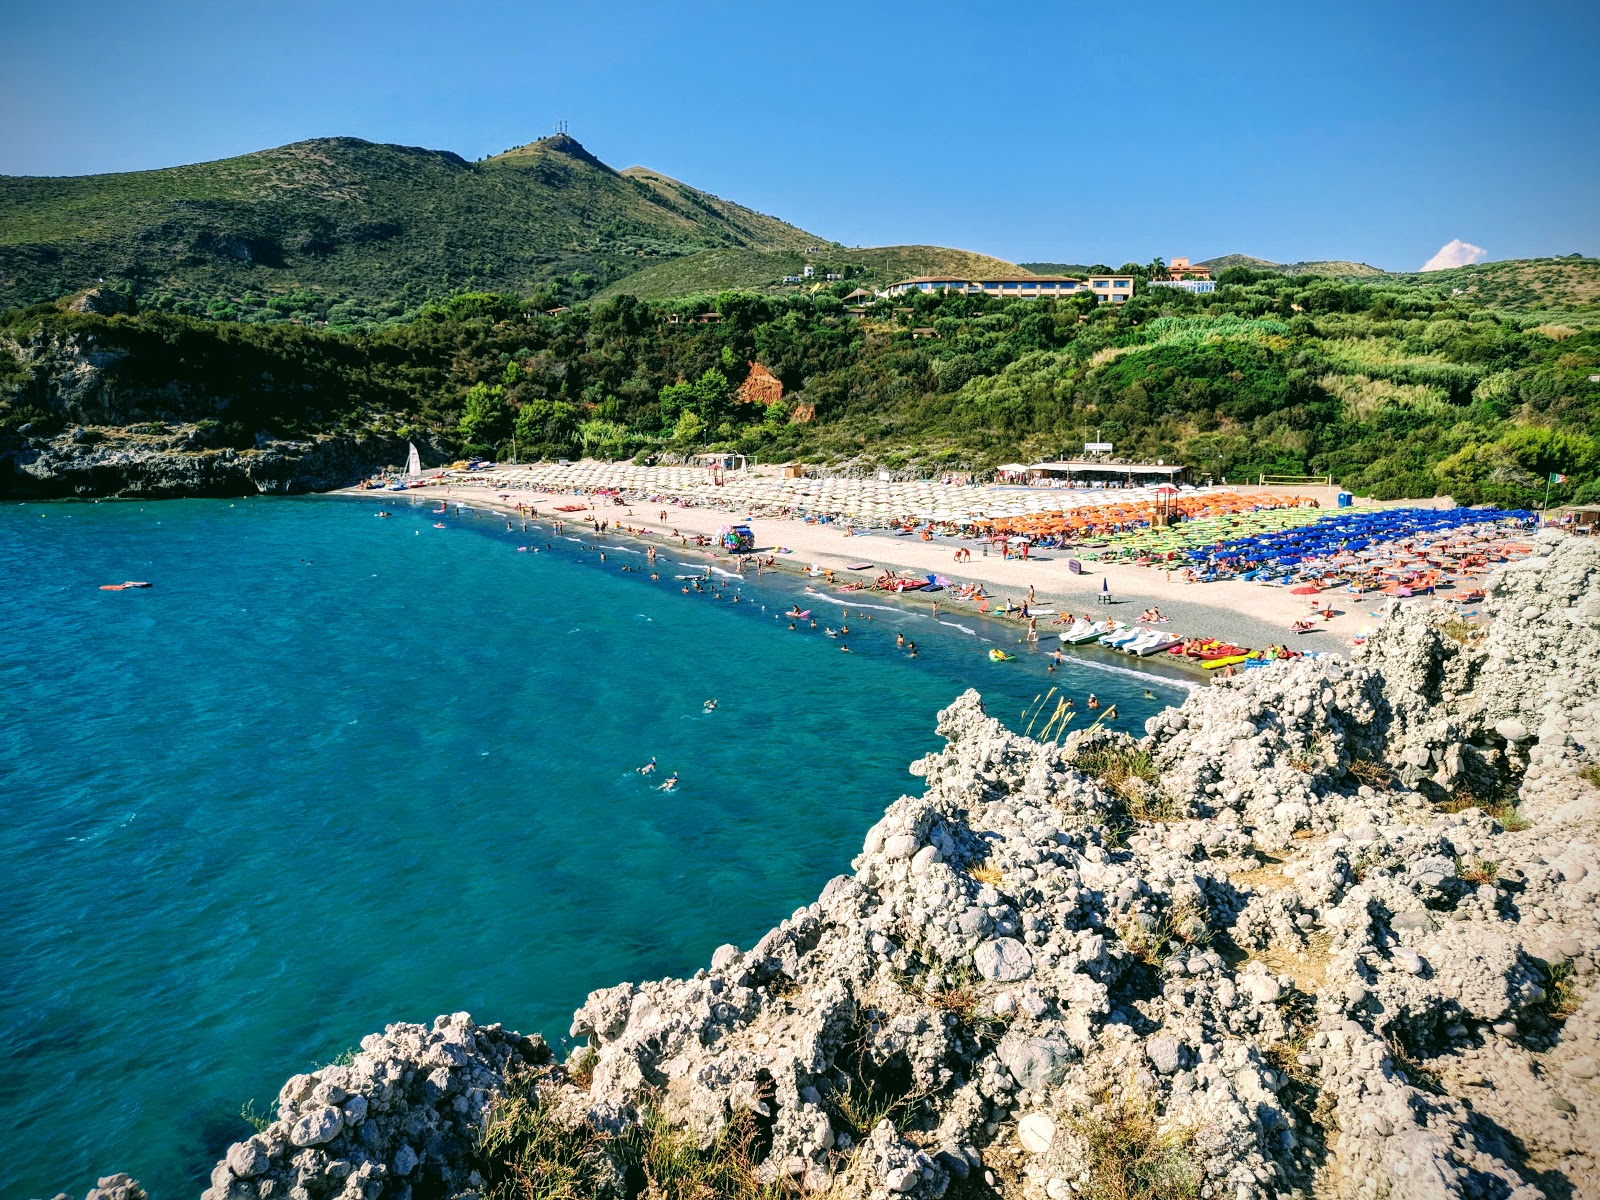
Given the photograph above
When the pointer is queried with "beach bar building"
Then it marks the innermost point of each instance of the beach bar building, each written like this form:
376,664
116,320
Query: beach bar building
1089,472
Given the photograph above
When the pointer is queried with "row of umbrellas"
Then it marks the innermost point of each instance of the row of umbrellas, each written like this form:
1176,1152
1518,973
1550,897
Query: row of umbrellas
1381,533
871,501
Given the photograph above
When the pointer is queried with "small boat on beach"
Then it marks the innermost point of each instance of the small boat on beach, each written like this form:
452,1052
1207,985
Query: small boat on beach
1159,641
1118,638
1081,632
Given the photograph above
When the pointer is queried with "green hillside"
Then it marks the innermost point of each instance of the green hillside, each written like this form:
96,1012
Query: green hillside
1393,389
1338,267
1560,286
712,271
342,229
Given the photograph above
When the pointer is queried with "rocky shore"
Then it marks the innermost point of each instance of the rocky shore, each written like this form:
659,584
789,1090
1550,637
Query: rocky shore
180,461
1328,929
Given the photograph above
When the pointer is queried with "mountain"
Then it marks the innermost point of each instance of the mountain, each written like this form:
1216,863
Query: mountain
1315,267
344,228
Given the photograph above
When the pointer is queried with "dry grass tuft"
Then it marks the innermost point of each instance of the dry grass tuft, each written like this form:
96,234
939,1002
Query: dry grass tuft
1477,870
986,873
1459,629
580,1068
1500,803
1130,1156
529,1152
1373,774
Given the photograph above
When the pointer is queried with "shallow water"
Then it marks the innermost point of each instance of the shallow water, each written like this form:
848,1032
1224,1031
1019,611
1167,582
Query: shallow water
333,771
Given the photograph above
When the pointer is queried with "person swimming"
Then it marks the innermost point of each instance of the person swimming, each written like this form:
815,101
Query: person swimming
1149,695
900,640
671,783
648,768
709,706
1093,701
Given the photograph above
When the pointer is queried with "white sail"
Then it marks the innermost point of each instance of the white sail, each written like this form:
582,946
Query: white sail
414,463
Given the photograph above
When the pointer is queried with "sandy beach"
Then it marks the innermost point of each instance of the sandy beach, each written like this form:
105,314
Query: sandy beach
1245,613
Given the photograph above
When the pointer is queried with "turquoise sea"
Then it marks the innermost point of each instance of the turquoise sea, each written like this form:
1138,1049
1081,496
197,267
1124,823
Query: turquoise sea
332,771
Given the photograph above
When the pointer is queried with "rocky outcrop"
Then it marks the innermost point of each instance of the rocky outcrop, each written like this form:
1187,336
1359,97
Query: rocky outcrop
87,462
102,301
109,407
761,387
1328,929
401,1117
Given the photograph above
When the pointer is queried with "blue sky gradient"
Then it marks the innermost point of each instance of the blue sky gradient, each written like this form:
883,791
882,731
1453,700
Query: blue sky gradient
1042,131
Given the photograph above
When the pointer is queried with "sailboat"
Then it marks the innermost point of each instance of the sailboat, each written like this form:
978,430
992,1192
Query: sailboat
414,462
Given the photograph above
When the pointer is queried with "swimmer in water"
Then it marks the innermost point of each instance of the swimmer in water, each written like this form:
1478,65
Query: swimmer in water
671,783
1093,701
709,706
1149,695
900,640
648,768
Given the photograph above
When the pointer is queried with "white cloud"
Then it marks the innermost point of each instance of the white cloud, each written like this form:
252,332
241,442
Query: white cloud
1454,253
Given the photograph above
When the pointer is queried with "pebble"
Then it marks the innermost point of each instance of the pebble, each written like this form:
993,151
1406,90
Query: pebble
1036,1132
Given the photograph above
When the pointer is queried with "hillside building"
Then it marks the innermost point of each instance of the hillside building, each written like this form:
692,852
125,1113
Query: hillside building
1115,288
1187,277
1199,287
1182,268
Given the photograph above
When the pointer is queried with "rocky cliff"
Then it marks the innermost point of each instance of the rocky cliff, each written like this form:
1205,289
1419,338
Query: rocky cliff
98,405
177,461
1328,929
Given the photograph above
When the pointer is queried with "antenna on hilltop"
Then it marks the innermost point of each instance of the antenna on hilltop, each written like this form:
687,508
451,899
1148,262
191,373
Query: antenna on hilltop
561,127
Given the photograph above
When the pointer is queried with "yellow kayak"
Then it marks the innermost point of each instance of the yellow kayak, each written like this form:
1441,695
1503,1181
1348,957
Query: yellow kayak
1230,660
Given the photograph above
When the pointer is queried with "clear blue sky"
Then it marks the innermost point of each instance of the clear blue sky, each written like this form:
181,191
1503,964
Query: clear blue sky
1058,131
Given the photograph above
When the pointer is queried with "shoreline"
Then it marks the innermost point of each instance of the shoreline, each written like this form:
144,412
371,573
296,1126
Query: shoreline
1167,669
1244,613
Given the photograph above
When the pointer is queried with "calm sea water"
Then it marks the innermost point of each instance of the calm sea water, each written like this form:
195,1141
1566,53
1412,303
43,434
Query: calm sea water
333,771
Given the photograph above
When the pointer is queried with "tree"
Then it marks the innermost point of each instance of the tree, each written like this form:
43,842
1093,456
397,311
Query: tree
689,431
485,419
1158,269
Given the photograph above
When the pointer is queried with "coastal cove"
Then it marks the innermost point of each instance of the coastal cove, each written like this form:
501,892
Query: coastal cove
332,771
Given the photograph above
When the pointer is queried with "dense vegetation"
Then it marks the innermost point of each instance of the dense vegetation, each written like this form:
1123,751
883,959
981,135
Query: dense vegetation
1393,391
346,231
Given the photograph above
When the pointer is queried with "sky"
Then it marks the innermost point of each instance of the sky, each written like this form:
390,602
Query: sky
1045,131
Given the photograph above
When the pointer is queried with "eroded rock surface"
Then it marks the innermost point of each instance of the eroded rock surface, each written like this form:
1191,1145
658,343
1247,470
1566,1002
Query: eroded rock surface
402,1116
